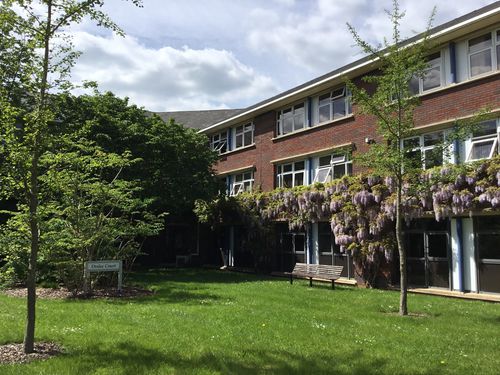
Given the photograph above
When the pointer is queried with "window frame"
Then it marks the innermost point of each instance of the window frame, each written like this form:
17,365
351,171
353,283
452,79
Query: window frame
291,112
219,144
330,103
431,66
484,139
244,130
236,188
422,148
280,173
335,160
494,58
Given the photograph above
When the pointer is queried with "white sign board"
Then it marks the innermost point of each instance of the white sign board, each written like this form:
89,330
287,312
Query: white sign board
105,266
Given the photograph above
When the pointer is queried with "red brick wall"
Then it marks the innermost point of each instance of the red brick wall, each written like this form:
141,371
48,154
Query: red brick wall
444,105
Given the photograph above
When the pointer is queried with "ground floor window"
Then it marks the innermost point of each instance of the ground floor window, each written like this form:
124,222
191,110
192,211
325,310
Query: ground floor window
487,240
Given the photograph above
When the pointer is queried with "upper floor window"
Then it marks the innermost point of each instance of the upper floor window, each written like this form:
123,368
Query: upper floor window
484,53
484,141
426,149
243,135
431,78
291,174
241,182
218,142
498,49
331,167
291,119
333,105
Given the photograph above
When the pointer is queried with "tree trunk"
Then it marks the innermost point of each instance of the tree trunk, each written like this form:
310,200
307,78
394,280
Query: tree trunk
29,336
403,306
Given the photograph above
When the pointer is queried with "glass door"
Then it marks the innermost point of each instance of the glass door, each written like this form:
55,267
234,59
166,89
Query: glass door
438,265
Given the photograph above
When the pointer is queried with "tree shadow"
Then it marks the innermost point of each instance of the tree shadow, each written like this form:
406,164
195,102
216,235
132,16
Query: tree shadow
194,276
131,359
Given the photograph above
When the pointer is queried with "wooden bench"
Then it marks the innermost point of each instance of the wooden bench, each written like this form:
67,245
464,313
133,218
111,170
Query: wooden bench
318,271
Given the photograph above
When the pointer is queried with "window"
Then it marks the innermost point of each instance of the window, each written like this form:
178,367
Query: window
484,141
241,182
498,49
333,105
243,135
291,119
481,53
431,78
332,167
325,238
290,175
426,149
218,142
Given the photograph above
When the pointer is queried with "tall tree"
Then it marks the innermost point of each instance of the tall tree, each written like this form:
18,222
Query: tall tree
392,104
171,157
34,30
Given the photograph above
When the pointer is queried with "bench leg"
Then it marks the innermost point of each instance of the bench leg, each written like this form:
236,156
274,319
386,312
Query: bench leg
291,279
310,281
333,284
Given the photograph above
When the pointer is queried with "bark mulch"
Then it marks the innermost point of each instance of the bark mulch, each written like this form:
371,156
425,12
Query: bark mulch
14,353
62,293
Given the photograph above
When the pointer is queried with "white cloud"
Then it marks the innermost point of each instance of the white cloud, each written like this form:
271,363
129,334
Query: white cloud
168,78
318,40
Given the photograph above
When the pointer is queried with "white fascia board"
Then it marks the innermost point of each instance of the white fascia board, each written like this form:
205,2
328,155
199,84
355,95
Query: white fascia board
344,72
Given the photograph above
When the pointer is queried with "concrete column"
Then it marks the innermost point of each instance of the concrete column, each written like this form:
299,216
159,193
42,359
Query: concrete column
470,268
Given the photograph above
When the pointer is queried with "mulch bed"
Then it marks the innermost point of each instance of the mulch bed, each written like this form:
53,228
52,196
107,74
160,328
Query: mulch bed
62,293
14,353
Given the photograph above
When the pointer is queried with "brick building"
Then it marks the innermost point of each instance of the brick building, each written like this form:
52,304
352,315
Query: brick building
308,133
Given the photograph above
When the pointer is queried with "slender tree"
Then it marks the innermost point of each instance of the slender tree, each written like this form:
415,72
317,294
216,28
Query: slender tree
33,30
392,104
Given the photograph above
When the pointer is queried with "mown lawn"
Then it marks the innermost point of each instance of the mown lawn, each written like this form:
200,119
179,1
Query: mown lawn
212,322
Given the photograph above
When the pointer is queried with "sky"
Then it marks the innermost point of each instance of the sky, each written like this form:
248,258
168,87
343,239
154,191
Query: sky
214,54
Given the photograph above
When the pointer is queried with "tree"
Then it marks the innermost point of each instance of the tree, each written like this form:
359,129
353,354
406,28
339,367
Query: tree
169,156
392,104
35,34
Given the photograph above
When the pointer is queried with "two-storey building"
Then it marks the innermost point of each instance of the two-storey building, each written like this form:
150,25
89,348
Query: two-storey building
309,133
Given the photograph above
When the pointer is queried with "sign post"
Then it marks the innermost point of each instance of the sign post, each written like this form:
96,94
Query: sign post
105,266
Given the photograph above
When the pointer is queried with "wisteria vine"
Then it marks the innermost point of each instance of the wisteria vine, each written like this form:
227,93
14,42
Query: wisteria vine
361,209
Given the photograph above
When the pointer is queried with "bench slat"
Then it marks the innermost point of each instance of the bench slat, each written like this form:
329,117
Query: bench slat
317,271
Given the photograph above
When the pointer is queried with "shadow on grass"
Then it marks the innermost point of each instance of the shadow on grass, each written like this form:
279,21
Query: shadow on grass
129,358
194,275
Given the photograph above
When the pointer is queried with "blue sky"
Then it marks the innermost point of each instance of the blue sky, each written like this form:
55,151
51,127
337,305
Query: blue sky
211,54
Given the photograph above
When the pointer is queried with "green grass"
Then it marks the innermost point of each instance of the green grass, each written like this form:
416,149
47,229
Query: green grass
211,322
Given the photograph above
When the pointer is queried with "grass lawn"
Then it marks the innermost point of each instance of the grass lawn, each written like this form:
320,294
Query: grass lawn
212,322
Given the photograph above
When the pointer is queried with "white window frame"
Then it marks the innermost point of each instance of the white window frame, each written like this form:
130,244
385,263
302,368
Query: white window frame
238,187
241,131
434,63
495,41
280,173
292,112
218,141
335,160
472,141
334,95
423,148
